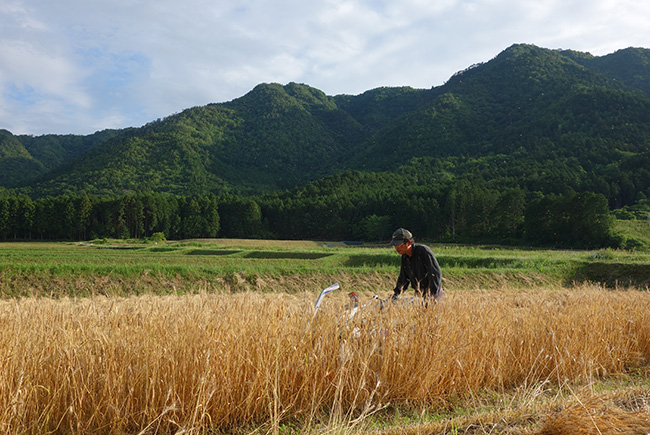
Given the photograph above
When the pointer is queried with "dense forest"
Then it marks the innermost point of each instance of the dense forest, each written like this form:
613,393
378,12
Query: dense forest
536,145
468,213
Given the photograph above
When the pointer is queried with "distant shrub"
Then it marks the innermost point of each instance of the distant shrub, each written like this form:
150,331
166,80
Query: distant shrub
102,241
157,237
602,254
633,243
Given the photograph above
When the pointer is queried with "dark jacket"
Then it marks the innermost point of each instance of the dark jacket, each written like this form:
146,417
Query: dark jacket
421,271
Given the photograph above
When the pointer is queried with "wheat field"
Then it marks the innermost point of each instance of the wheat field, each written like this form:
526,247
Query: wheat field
251,362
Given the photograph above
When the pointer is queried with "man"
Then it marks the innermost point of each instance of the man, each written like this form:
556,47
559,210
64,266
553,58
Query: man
419,267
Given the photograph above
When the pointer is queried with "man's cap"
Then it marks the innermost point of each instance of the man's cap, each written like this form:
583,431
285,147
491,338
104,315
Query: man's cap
400,236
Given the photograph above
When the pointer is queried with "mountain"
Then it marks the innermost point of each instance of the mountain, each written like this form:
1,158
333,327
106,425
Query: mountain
54,150
24,158
525,98
274,137
16,164
629,66
538,118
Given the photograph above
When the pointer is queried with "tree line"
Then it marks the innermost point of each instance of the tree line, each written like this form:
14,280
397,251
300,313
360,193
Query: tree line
463,212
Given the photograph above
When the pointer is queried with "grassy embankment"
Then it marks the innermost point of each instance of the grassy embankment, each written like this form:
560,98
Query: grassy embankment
51,269
520,353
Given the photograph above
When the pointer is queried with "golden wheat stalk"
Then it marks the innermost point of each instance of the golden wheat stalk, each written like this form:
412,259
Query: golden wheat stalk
219,362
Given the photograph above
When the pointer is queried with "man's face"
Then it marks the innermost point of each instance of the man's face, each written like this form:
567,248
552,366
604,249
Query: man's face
404,248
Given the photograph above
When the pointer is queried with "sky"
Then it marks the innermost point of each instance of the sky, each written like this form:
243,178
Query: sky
80,66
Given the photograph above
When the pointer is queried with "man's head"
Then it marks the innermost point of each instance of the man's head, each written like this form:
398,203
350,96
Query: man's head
400,236
402,241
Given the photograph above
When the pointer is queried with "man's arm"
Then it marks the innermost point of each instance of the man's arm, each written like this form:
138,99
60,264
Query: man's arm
402,280
433,272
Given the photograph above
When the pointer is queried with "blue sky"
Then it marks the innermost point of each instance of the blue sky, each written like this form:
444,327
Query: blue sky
79,66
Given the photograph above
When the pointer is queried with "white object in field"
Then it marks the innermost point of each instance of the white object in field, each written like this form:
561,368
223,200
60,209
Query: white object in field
322,295
374,298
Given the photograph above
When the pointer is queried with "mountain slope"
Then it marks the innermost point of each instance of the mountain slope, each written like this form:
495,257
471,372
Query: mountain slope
524,98
630,66
16,164
288,135
54,150
555,108
274,137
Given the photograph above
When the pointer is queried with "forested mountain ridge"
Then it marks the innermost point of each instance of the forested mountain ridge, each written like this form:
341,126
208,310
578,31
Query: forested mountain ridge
25,159
630,66
554,119
273,137
538,101
15,160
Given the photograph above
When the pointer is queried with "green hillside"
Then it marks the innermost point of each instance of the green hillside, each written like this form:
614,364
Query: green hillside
274,137
16,164
542,108
537,102
630,66
53,150
500,151
527,99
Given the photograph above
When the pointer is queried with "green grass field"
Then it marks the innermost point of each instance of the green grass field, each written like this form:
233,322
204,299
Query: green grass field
123,267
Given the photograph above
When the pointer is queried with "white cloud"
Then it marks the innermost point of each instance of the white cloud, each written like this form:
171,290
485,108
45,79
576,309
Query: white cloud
32,69
79,66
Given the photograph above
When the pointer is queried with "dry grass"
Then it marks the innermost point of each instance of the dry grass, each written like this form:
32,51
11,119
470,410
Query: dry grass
545,411
245,362
600,414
